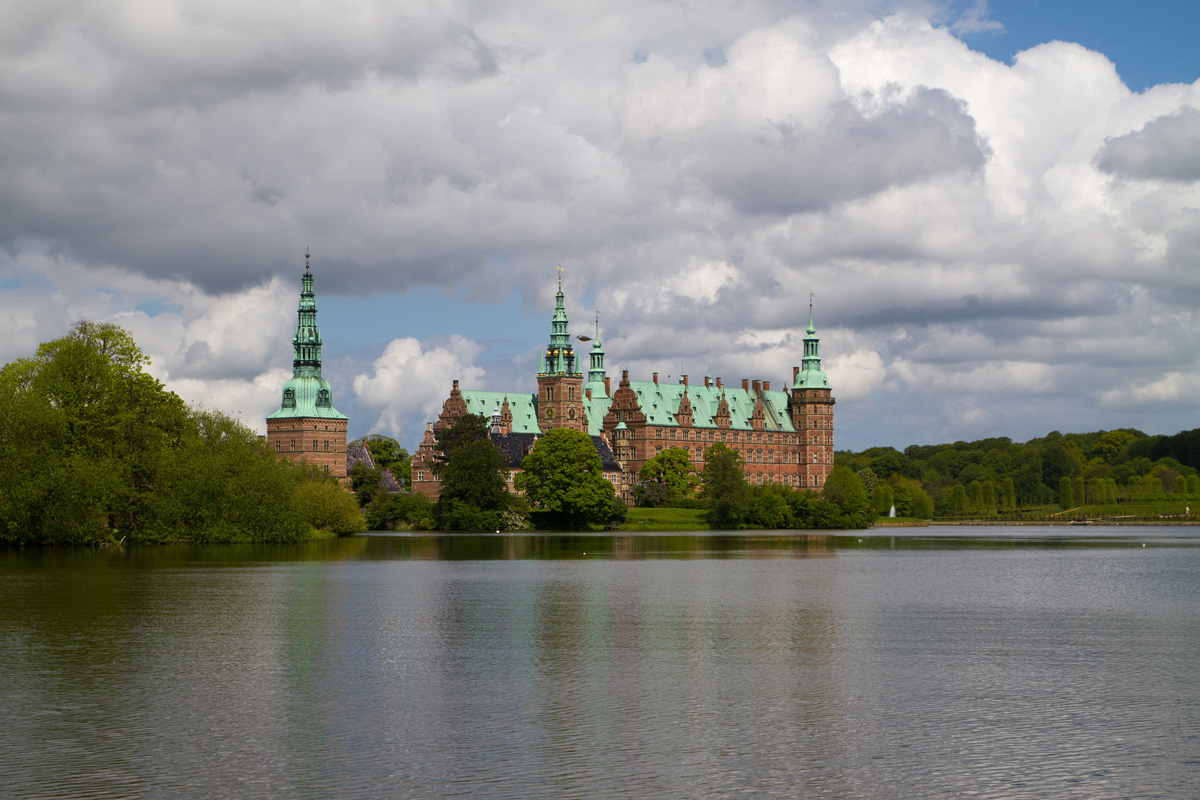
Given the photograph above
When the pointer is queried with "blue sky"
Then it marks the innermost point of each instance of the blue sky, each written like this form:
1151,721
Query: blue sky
994,204
1150,43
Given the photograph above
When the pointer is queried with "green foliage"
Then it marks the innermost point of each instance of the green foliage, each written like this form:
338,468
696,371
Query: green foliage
959,502
329,507
474,495
1066,493
666,476
849,505
96,450
884,496
724,486
564,484
463,430
364,482
1008,495
388,454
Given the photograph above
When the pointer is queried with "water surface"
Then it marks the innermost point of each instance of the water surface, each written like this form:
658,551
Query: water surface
931,663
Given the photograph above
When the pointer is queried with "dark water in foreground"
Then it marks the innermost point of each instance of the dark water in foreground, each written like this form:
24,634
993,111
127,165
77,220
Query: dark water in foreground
1014,663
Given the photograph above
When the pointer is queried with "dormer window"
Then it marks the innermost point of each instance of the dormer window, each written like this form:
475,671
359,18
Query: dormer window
289,398
323,398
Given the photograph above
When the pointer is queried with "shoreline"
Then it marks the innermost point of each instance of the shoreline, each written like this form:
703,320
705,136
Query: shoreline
1051,524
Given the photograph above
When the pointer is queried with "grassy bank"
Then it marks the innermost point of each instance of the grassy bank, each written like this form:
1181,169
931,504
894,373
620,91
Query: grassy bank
665,519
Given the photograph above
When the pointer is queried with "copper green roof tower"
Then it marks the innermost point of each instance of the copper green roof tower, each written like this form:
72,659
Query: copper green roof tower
306,426
810,375
560,381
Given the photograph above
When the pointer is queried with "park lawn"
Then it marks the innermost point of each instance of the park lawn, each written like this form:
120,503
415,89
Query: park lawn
665,519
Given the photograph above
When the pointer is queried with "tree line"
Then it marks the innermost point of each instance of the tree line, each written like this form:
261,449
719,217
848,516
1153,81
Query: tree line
1056,471
94,450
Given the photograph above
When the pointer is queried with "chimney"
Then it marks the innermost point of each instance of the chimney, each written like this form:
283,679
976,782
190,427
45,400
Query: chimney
589,394
656,379
607,389
685,383
707,381
766,386
745,384
757,386
795,373
718,383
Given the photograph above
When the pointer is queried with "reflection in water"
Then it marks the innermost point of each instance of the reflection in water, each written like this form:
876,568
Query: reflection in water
653,666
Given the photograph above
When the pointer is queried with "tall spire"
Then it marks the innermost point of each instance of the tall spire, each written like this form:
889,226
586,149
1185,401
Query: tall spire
560,355
307,394
810,375
306,344
596,374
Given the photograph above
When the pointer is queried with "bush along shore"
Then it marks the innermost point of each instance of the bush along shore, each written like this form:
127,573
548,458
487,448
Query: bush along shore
95,451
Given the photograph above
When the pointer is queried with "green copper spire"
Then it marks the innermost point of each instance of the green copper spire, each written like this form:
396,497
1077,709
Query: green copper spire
595,380
306,344
559,358
810,375
307,394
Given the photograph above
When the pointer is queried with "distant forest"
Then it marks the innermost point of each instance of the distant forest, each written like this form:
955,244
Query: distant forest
997,475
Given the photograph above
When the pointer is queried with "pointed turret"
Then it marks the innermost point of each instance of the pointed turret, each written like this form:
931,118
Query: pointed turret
560,355
810,375
306,425
596,375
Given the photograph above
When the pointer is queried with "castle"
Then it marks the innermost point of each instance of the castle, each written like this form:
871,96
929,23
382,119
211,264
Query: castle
306,426
784,436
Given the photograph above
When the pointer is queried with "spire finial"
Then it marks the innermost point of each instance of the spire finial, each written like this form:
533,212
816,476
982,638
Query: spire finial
560,272
306,257
597,324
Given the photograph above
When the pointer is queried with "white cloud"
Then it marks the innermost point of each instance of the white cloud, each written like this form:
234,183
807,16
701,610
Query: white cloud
408,384
698,168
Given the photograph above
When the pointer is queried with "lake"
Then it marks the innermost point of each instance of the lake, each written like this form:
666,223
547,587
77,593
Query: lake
895,663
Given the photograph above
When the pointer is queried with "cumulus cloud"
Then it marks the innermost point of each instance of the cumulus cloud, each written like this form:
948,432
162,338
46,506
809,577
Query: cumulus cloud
968,225
1165,148
408,383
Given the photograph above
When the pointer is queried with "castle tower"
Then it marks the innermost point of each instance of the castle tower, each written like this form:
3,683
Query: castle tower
560,381
811,408
596,375
306,426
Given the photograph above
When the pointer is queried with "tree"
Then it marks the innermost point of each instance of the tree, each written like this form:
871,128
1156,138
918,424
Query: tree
463,430
672,470
329,507
473,494
95,449
563,481
724,486
958,500
1008,495
1066,493
884,497
388,454
848,498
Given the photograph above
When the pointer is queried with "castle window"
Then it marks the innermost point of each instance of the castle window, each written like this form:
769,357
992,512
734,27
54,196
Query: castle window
323,398
289,398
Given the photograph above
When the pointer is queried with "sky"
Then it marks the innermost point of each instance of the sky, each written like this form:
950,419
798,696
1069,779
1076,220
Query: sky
993,207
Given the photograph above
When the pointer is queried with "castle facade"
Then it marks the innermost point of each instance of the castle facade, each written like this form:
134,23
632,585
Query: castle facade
784,436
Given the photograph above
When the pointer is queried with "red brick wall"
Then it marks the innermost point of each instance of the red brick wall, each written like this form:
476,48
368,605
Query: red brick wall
321,442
